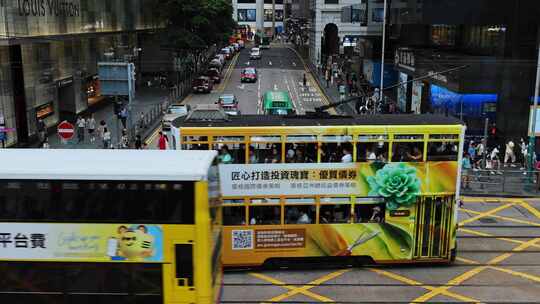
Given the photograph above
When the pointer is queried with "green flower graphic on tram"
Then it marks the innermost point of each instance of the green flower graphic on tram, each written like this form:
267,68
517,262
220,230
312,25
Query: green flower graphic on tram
397,183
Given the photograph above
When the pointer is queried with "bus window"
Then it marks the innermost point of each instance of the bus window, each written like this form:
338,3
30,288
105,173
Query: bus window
372,151
330,214
408,152
369,213
231,153
301,149
301,153
300,214
233,216
265,215
336,152
442,151
269,153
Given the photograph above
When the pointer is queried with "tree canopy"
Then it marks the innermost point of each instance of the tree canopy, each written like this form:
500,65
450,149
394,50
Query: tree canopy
193,25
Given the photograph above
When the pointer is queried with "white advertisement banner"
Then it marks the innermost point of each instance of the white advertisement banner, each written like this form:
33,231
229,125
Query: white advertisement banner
289,179
416,99
81,242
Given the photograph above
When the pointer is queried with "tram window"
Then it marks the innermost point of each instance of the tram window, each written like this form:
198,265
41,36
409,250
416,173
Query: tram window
372,151
233,201
300,214
330,214
234,215
231,153
336,152
343,200
408,152
442,151
369,213
269,153
265,200
195,146
265,215
301,153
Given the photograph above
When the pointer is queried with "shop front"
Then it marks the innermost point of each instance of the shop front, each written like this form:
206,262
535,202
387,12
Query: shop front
93,91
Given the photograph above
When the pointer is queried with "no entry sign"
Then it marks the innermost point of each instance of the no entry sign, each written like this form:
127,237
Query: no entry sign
66,130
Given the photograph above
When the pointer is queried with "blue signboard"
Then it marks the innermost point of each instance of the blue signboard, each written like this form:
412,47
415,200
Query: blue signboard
372,73
468,105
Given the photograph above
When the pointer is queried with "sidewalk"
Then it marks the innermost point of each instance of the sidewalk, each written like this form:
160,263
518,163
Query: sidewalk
145,101
332,91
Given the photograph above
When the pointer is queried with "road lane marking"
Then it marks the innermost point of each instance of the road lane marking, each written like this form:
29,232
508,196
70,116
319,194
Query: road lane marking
505,218
473,272
311,285
228,74
484,214
516,273
506,239
412,282
291,288
530,208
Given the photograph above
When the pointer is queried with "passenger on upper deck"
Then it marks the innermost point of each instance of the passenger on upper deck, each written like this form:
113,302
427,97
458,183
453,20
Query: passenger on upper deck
347,157
224,156
415,156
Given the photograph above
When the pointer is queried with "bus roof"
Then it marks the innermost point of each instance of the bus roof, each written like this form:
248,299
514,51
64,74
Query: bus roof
298,121
280,96
64,164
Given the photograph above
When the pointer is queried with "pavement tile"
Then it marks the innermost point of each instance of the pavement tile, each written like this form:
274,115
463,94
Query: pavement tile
366,294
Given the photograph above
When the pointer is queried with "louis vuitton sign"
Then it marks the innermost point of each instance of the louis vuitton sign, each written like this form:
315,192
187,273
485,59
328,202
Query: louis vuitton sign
42,8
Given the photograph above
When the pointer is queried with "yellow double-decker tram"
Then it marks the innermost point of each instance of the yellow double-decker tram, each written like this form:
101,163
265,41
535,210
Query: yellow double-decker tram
109,226
377,188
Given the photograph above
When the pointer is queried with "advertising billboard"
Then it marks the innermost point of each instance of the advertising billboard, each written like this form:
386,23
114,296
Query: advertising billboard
81,242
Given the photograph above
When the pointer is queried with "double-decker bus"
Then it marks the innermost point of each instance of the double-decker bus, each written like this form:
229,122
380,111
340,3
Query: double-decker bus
109,226
379,188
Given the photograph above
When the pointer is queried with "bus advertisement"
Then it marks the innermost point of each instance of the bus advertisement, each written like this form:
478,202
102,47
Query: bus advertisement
363,210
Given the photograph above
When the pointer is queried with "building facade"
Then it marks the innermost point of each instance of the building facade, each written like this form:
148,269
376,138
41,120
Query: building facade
259,13
338,23
49,52
493,45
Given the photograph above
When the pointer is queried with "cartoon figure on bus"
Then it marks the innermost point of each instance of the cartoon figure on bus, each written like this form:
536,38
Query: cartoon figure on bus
135,244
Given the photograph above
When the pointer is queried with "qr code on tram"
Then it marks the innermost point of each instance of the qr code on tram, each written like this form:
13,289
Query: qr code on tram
242,239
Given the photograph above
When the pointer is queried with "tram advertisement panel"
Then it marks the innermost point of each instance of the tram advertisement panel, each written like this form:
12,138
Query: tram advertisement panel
81,242
390,240
360,179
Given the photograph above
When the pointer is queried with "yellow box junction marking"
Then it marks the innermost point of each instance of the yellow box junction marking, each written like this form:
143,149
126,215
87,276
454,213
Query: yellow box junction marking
492,263
412,282
293,290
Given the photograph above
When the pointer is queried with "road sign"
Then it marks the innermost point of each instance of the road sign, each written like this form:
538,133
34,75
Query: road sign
66,130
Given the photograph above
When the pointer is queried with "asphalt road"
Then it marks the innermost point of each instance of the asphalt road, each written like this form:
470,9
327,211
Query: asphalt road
497,262
279,69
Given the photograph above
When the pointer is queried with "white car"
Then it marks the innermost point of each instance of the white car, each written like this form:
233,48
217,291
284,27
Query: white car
173,112
255,53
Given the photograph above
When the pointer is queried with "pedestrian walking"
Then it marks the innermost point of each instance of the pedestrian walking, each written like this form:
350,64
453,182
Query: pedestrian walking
46,143
124,141
42,130
327,79
142,124
162,141
106,138
509,154
81,125
304,80
524,148
91,126
123,117
138,142
341,91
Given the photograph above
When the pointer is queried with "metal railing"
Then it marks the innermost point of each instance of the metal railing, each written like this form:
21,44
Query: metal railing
500,182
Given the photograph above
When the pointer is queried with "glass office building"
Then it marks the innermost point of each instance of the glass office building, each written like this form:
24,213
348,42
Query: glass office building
49,51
